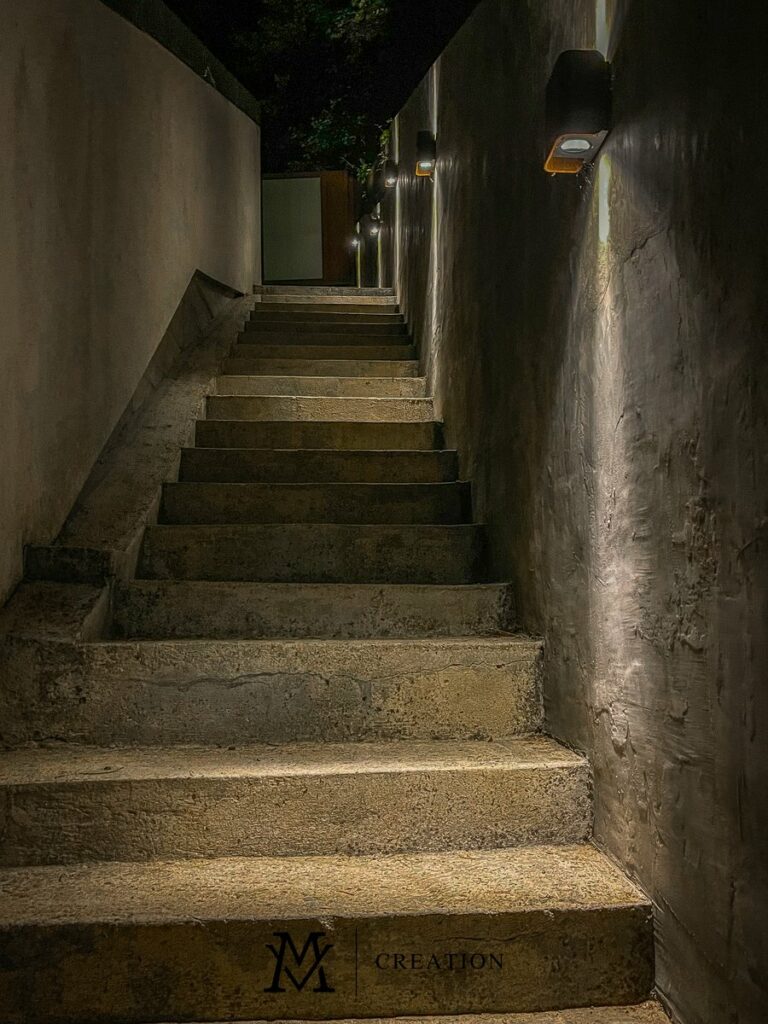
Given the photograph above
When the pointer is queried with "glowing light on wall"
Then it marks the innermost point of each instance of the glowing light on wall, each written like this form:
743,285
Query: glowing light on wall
604,175
602,29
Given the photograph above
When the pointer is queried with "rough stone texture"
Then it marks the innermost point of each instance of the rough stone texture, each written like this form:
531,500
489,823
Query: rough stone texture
319,407
280,466
332,294
42,612
109,143
296,315
567,927
248,349
74,804
597,348
337,387
305,330
646,1013
175,608
381,307
248,364
315,503
295,434
268,691
315,553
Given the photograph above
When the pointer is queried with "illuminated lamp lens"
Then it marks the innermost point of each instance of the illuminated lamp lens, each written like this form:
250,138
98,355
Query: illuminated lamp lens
575,146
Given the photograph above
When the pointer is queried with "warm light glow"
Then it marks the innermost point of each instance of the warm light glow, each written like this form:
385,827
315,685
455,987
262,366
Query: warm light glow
604,175
602,29
570,153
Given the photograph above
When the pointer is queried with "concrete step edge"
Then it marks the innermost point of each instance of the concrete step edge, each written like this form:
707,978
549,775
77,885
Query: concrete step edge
72,765
543,878
638,1013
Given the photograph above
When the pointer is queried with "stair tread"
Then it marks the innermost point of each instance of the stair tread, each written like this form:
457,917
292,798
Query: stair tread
641,1013
515,880
70,765
387,369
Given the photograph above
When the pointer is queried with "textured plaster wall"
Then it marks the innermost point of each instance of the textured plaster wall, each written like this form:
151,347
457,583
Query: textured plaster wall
122,174
598,348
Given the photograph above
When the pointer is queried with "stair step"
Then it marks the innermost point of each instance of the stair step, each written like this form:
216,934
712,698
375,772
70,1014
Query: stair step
268,408
325,351
357,339
181,691
247,465
315,503
380,307
206,609
327,387
380,369
337,435
640,1013
315,553
523,929
303,330
72,804
295,314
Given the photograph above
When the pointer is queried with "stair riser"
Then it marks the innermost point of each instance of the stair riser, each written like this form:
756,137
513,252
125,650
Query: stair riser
523,961
383,307
331,387
293,815
315,554
299,435
265,692
315,503
361,339
229,611
324,351
262,325
227,465
282,408
381,369
275,314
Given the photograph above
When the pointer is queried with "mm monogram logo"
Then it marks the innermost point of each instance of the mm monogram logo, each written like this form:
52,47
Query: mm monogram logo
289,962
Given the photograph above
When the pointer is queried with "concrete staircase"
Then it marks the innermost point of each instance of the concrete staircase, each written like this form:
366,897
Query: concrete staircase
303,776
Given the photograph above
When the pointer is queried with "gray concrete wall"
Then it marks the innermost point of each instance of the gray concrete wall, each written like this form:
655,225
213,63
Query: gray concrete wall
122,175
597,346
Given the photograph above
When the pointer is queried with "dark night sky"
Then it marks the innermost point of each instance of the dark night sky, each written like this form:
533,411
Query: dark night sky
419,30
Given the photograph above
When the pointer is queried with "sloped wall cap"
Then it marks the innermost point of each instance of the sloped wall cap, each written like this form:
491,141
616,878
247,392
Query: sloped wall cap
159,21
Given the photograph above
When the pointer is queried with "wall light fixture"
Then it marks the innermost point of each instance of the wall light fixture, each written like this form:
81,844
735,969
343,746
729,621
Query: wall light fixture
578,110
426,154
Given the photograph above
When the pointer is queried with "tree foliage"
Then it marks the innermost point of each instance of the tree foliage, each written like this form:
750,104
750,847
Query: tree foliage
329,73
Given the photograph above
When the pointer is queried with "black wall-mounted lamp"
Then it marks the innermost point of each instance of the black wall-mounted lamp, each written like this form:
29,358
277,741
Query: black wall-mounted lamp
578,110
374,228
426,154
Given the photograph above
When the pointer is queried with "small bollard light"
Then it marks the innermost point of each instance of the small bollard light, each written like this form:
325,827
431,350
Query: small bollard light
375,228
578,114
426,154
390,173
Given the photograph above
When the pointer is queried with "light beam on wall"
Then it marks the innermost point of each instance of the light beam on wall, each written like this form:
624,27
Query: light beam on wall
604,175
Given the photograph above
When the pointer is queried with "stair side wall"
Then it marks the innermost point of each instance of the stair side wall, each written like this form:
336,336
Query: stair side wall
125,176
